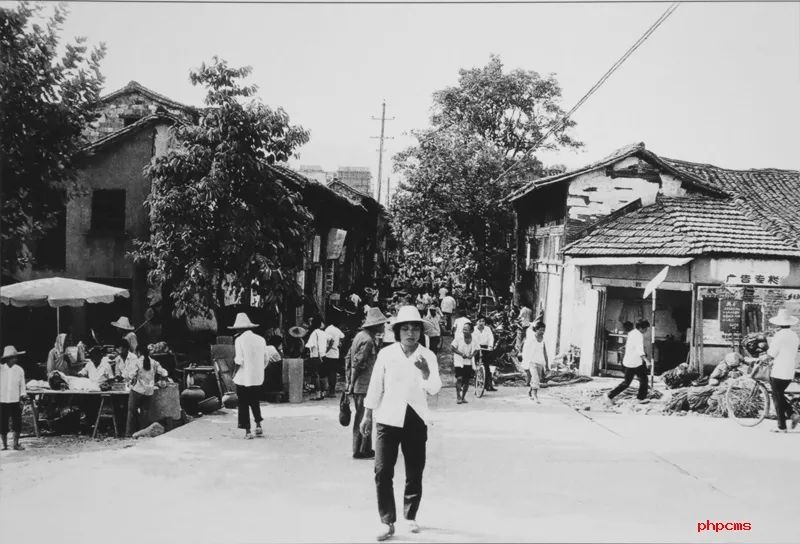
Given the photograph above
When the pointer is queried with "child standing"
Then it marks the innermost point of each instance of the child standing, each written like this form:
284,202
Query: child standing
12,390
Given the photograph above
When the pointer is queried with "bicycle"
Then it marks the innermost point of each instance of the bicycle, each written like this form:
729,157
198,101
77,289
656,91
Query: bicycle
480,376
747,398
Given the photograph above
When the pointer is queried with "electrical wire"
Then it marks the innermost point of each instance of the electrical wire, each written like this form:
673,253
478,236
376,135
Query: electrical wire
594,88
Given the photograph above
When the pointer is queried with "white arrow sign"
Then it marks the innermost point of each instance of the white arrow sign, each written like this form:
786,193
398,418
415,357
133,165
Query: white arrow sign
655,282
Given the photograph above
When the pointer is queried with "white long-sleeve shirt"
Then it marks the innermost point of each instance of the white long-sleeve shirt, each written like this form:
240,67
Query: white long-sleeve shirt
397,383
251,357
12,383
484,337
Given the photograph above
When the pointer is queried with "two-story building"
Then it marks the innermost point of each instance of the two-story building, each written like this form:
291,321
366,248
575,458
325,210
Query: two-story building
589,240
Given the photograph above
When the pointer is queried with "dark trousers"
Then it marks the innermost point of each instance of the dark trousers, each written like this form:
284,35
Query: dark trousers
486,360
411,438
10,411
641,373
782,405
138,412
331,369
248,401
448,322
362,445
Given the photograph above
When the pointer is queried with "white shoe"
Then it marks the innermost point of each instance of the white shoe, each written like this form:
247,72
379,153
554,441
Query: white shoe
412,526
385,532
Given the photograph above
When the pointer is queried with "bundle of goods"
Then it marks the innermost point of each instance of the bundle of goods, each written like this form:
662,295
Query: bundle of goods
708,400
755,344
568,377
680,376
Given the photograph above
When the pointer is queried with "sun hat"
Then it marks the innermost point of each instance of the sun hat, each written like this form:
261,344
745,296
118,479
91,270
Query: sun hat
243,322
11,351
122,323
374,317
297,331
407,314
783,319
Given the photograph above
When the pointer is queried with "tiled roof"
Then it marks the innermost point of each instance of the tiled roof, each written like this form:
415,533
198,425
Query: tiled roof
631,150
769,196
687,226
131,129
135,86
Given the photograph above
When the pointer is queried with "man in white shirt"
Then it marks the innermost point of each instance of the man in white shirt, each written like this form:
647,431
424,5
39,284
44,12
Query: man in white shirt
483,334
448,306
332,361
404,373
12,391
98,372
458,324
122,360
251,358
783,351
635,362
318,345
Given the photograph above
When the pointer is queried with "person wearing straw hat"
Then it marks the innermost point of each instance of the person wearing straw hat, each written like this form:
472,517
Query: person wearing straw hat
12,391
251,358
404,373
783,351
358,365
123,325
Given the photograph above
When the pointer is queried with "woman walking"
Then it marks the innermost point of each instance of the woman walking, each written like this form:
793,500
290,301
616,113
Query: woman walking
465,348
404,373
783,351
359,362
251,358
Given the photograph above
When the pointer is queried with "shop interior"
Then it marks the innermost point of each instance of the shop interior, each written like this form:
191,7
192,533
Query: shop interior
673,322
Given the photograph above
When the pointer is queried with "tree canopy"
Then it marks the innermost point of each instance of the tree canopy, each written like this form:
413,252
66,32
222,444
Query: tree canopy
46,104
452,187
217,207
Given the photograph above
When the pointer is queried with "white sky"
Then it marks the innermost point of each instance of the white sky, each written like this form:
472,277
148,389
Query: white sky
716,83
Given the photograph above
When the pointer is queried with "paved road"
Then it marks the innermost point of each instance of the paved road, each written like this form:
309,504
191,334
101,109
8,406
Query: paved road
500,468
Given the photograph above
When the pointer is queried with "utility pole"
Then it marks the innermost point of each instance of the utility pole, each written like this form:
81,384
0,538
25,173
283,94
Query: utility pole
388,191
383,120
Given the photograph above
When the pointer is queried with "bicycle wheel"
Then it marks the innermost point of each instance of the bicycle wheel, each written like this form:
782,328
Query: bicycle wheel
747,401
480,381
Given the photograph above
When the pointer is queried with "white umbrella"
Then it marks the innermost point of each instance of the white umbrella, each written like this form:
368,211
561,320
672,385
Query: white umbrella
58,292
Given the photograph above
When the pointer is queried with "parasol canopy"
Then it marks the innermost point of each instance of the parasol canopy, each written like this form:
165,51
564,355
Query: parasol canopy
57,292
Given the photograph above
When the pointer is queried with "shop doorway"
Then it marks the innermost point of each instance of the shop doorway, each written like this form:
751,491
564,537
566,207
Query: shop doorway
625,306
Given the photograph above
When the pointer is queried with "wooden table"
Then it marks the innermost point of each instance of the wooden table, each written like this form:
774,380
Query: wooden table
37,395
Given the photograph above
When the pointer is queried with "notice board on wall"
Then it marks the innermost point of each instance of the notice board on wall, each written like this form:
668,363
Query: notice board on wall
768,300
730,318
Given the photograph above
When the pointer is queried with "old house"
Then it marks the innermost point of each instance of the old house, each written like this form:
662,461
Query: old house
97,229
589,241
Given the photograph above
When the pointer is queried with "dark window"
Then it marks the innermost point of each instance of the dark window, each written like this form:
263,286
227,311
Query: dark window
710,308
51,250
108,210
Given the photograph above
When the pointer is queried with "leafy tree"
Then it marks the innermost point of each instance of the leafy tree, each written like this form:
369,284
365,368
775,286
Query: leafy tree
46,104
489,121
217,207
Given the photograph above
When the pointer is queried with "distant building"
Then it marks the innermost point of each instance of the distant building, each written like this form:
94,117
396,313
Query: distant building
314,172
357,177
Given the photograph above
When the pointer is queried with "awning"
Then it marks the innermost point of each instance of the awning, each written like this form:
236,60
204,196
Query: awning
626,261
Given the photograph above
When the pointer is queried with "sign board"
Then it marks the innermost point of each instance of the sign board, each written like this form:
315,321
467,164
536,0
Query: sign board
730,317
763,272
336,239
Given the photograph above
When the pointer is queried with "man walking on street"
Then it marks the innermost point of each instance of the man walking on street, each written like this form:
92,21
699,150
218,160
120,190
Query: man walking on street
358,366
251,358
404,373
635,362
448,306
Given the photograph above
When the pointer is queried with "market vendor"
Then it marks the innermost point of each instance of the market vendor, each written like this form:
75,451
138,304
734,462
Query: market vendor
122,360
125,330
98,368
65,356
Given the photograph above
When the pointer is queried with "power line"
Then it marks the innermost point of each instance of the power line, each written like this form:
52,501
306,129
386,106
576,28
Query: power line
596,86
